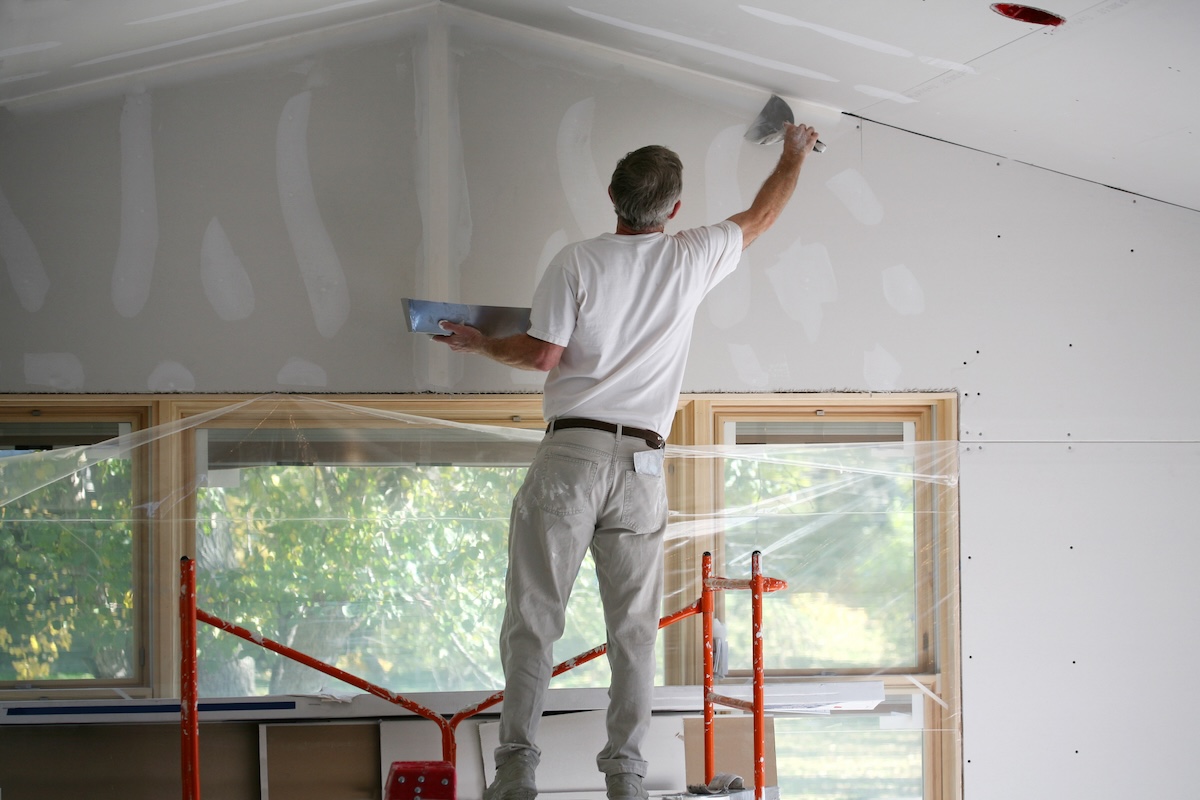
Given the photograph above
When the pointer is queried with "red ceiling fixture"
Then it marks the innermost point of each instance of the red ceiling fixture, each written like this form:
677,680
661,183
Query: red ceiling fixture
1035,16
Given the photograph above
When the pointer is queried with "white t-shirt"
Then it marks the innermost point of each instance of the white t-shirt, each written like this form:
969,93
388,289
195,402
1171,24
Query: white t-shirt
623,307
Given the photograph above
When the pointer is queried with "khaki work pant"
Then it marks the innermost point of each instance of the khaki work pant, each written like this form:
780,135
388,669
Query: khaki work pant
583,491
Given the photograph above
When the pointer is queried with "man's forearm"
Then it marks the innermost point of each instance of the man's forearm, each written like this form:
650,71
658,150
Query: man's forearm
519,350
779,186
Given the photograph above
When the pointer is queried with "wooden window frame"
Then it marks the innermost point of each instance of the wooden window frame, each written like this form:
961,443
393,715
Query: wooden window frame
699,421
139,414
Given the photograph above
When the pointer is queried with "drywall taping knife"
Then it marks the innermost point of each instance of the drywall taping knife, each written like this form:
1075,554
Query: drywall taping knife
769,126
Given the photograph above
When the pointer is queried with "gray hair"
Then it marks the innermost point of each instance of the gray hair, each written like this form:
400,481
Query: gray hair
645,187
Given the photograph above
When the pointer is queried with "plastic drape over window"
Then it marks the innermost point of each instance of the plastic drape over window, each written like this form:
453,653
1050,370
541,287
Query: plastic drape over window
376,541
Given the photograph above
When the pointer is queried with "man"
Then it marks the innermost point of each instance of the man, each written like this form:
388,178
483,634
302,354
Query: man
611,322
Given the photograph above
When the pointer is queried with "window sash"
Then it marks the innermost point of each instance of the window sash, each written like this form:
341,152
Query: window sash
112,638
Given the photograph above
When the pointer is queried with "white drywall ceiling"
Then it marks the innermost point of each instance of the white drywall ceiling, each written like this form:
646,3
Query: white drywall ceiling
1110,96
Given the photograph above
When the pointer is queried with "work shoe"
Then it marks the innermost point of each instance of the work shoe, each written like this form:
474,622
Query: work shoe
514,778
625,786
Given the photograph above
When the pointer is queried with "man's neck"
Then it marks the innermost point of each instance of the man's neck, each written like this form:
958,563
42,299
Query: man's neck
625,230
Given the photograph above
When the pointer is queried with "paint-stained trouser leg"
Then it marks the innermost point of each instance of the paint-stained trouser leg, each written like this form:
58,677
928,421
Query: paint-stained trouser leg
582,489
628,551
553,519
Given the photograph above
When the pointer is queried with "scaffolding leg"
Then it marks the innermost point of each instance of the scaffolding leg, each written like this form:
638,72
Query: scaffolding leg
707,607
756,598
188,702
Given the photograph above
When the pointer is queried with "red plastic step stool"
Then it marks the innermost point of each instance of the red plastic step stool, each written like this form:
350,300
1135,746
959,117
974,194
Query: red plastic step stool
420,780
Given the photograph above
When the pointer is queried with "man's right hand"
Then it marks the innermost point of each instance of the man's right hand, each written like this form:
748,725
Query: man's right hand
798,138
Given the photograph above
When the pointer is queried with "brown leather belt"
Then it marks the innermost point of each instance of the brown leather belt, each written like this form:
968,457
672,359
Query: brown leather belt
649,437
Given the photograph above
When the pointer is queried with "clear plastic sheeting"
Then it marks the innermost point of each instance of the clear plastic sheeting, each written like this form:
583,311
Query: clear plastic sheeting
376,541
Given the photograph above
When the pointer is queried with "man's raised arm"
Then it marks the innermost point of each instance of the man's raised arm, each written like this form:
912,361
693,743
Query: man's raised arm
798,142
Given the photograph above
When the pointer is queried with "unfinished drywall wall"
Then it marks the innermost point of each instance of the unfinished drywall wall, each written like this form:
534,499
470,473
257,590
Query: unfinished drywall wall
253,229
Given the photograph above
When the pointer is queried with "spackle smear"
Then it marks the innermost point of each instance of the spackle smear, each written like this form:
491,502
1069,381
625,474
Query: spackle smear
298,372
62,371
832,33
585,190
880,370
226,283
25,49
20,256
319,264
902,290
24,76
883,94
803,281
139,209
953,66
729,303
852,189
171,376
699,44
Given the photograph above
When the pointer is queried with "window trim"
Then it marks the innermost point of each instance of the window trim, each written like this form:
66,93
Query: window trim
139,415
698,421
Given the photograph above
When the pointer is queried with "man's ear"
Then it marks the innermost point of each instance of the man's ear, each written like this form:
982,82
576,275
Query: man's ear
675,210
610,197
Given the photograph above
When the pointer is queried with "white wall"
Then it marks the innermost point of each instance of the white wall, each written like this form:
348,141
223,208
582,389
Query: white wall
451,159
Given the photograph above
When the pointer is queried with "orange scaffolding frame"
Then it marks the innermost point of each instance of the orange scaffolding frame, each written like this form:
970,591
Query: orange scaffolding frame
757,584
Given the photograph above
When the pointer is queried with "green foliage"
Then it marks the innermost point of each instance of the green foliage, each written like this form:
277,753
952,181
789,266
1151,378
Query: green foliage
66,578
845,544
393,573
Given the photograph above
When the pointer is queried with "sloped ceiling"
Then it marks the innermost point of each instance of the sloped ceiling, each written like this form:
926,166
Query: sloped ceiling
1112,96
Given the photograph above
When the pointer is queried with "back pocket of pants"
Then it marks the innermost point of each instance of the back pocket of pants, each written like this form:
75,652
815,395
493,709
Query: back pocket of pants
644,504
560,484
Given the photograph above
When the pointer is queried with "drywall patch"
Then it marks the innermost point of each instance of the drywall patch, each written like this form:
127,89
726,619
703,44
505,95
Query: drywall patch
171,376
803,281
62,371
729,303
880,370
24,76
585,191
902,290
749,370
20,256
699,44
318,261
139,208
298,372
442,198
851,188
226,282
833,33
25,49
224,31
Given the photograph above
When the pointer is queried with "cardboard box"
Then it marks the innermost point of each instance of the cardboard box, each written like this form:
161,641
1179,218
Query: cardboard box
734,744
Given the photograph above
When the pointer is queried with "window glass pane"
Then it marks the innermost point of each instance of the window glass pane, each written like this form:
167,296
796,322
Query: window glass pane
845,543
382,558
69,607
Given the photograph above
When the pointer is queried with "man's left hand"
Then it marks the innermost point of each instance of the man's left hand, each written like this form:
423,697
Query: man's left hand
460,338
